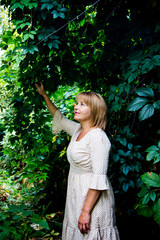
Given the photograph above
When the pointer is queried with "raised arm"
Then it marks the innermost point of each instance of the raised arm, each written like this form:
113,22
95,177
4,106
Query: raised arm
51,107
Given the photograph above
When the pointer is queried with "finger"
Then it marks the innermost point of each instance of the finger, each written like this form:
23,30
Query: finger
40,82
36,85
80,226
87,226
84,228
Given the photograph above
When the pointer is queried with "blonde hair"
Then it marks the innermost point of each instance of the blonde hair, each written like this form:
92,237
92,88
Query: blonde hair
98,108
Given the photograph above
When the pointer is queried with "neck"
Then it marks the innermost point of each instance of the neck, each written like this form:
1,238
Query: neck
86,126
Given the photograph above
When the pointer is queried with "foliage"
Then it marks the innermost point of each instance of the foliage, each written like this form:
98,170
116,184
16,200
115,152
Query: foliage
150,190
153,153
18,222
127,157
112,48
148,105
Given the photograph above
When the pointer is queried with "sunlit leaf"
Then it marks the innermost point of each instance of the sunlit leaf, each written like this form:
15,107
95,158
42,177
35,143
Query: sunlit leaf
151,179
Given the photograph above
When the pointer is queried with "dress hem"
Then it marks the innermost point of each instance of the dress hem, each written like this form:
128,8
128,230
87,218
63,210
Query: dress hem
108,232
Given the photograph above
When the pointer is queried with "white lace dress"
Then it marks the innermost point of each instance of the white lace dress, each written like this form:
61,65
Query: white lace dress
88,160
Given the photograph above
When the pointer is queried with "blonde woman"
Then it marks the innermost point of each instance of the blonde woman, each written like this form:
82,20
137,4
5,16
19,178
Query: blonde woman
89,211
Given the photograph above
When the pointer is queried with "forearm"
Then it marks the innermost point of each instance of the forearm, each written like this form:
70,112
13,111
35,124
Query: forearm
84,219
91,200
51,107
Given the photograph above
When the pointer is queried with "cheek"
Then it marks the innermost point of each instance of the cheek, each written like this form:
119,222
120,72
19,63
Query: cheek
87,112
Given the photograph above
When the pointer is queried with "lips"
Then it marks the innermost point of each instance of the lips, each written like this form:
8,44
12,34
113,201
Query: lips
76,113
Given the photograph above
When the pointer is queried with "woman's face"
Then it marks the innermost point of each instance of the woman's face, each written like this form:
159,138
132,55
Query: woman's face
82,112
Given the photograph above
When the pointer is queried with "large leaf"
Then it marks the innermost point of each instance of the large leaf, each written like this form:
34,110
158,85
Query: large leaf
151,179
146,112
137,103
145,92
156,210
153,154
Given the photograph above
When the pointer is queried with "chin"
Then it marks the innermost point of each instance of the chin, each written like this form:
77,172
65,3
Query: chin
76,118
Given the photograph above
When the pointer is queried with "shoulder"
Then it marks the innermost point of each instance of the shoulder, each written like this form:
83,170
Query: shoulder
98,136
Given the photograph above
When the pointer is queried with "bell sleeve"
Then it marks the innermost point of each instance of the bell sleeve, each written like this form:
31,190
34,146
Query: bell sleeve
99,152
60,122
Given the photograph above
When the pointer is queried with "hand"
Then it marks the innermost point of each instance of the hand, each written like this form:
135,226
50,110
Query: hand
84,222
40,89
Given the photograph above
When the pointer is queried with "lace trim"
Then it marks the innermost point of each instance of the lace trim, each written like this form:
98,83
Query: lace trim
99,182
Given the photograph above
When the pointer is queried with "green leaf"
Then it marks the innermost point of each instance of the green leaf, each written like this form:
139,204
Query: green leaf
146,112
42,222
152,153
25,36
151,179
134,75
17,5
152,149
145,92
32,5
50,44
55,45
113,88
4,235
116,157
55,14
152,196
111,97
145,199
61,15
122,140
147,65
156,60
145,189
23,25
156,209
145,210
157,104
121,152
49,5
126,169
64,10
130,146
137,103
125,187
157,158
17,217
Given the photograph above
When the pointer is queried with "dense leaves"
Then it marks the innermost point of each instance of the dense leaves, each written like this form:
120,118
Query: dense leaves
113,48
147,105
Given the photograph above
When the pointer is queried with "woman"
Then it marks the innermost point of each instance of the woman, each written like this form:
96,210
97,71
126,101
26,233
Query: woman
89,211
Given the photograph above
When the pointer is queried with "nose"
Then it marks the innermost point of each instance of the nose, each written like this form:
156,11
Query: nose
75,106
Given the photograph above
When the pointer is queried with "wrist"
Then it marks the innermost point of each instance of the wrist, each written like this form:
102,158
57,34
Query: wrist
86,210
44,94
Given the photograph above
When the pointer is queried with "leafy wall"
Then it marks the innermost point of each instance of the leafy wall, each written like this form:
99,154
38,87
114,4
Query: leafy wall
112,48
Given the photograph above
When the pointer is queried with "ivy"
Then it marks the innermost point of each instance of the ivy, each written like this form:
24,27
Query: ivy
153,153
147,105
26,3
83,55
150,192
